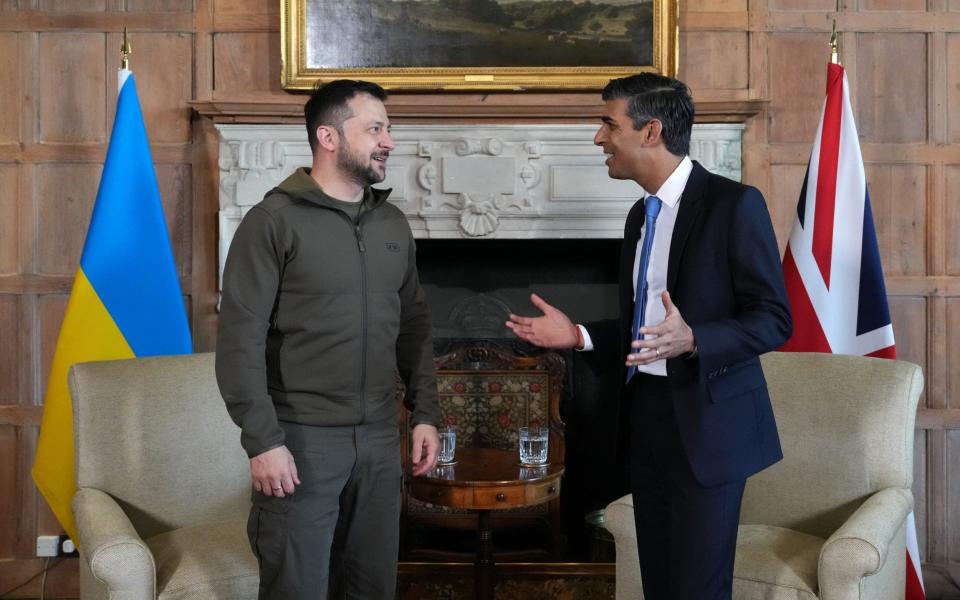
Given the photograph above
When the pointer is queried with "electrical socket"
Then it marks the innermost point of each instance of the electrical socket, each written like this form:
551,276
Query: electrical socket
67,547
48,545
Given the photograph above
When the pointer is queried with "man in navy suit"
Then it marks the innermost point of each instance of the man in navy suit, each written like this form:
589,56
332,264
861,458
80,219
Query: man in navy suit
701,297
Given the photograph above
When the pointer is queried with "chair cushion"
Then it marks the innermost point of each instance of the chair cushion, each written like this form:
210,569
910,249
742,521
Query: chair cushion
209,561
774,563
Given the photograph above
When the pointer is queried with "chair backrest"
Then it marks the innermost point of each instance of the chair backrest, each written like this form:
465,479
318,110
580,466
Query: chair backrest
847,430
154,434
487,392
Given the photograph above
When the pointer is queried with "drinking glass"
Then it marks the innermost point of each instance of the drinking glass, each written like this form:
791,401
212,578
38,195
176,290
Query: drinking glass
448,445
533,445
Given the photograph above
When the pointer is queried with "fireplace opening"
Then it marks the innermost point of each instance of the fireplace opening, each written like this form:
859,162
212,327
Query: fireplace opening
472,285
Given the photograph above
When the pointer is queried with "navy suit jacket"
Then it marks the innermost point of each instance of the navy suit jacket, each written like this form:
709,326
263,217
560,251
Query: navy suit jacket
724,276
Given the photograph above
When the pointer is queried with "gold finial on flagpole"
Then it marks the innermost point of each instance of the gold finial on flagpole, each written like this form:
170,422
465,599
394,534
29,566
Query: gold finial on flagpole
834,53
126,50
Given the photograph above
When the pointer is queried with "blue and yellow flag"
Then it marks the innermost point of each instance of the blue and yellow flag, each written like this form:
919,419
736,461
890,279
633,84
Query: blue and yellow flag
126,299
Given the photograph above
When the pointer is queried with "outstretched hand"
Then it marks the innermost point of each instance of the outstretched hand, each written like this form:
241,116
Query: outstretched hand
551,330
672,337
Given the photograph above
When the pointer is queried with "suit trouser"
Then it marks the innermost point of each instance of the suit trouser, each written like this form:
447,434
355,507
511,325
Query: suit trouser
337,535
686,534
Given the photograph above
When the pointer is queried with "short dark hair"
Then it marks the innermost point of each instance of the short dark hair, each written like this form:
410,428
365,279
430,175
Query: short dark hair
651,96
328,104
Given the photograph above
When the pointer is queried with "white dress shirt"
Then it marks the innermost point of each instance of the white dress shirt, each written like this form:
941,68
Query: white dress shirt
669,194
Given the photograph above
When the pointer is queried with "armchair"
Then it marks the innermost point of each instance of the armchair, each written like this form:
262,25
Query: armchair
163,484
828,521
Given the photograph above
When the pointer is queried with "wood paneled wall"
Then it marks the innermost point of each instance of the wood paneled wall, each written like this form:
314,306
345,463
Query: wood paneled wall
57,95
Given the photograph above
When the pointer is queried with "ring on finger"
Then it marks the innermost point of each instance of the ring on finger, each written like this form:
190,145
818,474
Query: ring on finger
658,352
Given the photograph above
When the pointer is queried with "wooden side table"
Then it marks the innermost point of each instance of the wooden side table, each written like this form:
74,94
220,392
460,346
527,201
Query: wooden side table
485,479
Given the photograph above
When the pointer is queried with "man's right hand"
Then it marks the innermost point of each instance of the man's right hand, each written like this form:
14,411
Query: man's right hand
274,472
551,330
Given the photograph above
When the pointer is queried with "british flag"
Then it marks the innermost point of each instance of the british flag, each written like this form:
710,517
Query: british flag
832,262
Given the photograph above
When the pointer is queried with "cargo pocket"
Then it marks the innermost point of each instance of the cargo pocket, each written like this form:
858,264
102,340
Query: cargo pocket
267,531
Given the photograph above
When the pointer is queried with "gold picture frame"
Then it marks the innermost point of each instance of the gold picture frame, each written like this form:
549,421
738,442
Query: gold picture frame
366,34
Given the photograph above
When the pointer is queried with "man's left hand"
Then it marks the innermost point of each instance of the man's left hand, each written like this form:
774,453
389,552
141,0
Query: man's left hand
673,337
426,444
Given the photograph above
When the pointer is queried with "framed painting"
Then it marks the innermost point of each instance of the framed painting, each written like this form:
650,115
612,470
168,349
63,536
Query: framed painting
476,44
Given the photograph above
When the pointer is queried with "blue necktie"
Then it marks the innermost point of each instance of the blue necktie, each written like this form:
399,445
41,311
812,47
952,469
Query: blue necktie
652,209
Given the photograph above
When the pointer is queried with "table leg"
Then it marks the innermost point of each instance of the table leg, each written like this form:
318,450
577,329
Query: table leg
483,568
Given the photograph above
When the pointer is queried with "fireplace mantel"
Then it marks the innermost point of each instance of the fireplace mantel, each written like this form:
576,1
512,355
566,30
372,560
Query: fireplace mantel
466,108
466,179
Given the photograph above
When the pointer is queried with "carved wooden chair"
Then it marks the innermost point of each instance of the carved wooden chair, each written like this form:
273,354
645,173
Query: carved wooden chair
487,390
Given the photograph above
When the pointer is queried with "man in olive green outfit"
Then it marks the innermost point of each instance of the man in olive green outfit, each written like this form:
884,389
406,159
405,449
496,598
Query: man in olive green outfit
321,307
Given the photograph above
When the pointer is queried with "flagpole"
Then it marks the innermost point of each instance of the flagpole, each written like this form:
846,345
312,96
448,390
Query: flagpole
126,50
834,53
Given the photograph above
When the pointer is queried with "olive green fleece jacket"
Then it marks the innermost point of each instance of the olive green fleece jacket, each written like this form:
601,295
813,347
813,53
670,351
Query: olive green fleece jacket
319,314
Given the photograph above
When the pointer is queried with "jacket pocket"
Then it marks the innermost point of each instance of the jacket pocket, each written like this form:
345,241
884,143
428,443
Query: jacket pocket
738,381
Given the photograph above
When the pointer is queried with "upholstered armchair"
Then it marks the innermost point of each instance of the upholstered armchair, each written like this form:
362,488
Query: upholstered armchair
828,521
163,483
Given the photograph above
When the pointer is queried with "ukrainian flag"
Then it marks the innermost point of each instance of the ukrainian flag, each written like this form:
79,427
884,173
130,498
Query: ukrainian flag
126,299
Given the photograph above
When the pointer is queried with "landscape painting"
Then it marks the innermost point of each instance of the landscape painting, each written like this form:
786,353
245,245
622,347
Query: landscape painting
476,43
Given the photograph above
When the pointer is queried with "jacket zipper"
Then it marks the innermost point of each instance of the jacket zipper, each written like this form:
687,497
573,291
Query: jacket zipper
363,319
363,308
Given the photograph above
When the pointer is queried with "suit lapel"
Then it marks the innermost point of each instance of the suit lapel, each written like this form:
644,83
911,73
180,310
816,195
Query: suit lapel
631,235
691,203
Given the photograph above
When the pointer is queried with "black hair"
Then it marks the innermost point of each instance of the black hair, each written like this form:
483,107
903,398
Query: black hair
328,104
652,96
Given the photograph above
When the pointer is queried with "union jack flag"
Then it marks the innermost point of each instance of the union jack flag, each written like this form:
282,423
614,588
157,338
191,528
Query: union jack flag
832,262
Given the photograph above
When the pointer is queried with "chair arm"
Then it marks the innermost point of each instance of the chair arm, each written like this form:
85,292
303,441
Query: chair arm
618,520
111,547
861,545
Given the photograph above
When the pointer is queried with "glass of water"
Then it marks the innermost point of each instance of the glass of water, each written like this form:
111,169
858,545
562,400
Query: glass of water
533,445
448,445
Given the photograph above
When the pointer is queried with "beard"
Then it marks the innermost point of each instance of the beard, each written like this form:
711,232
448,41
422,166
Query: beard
358,168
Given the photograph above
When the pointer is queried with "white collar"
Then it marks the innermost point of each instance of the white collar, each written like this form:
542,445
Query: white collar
671,190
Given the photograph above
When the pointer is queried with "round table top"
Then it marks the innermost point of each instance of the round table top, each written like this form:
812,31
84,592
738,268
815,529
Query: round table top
488,467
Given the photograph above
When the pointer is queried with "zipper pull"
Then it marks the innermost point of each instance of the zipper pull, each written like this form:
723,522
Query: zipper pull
360,240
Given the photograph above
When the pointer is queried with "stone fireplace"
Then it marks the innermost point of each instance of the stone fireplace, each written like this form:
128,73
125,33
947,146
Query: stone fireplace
478,182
